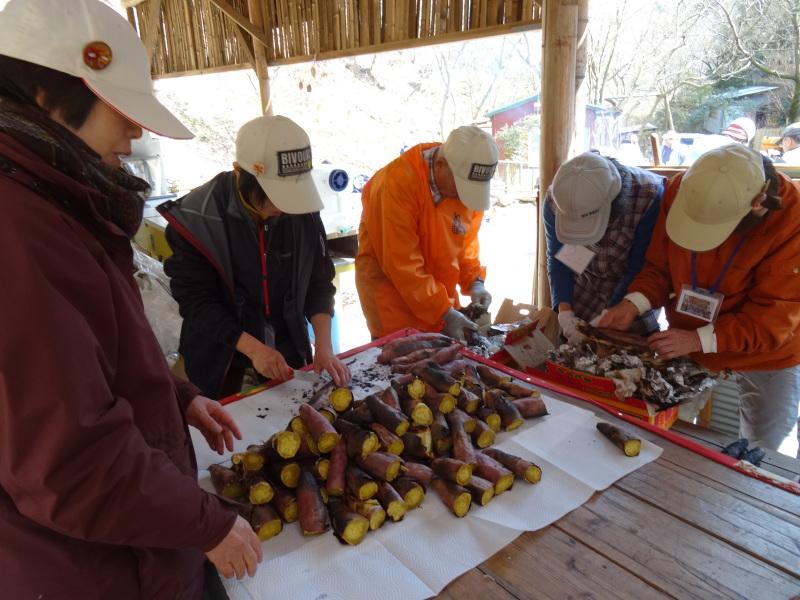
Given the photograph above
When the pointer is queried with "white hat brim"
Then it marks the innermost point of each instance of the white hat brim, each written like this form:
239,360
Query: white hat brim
142,109
583,232
475,195
293,195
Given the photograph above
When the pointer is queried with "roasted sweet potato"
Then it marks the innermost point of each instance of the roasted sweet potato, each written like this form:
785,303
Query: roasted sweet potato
392,418
452,469
389,441
482,490
348,526
437,378
320,428
335,483
530,407
417,444
287,472
418,472
370,509
519,389
359,441
455,497
521,468
259,489
362,485
388,353
629,445
509,414
416,410
359,413
483,435
490,377
285,503
468,401
463,449
438,401
262,518
382,466
440,434
227,482
458,416
391,501
340,398
490,417
410,491
493,471
280,445
312,513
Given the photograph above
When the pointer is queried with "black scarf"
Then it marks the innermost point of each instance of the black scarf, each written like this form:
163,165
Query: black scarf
122,195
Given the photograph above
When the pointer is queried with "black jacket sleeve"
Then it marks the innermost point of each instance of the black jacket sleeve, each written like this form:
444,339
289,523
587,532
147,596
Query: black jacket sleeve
321,291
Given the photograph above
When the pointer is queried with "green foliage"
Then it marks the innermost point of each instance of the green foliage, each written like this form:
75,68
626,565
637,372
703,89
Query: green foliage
513,139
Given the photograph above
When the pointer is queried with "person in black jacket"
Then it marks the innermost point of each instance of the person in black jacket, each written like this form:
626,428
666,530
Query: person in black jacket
247,235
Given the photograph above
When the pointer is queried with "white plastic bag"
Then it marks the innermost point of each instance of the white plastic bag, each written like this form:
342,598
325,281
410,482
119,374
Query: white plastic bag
159,305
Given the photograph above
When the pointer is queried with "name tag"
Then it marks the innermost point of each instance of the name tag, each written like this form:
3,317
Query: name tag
699,303
575,257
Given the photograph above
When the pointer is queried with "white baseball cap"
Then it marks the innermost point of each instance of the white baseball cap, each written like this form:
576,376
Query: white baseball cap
715,194
472,155
278,152
583,189
90,40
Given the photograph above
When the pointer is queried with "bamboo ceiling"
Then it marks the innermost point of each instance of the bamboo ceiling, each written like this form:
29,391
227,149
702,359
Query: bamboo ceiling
191,36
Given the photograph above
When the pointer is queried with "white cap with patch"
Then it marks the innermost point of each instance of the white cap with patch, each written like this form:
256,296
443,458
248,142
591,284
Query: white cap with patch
472,155
90,40
278,152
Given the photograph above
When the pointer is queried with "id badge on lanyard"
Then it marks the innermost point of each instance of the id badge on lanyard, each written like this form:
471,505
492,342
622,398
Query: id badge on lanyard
701,303
575,257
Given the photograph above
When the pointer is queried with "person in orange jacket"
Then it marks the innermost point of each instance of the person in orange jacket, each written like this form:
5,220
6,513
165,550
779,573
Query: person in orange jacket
418,235
724,262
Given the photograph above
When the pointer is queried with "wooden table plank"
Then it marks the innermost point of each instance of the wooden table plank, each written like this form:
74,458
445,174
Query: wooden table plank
671,554
550,564
760,529
475,585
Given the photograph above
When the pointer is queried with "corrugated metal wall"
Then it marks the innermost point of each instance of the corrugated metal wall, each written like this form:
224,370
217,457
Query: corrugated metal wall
725,406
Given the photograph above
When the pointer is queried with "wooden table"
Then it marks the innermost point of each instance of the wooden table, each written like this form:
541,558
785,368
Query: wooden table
681,527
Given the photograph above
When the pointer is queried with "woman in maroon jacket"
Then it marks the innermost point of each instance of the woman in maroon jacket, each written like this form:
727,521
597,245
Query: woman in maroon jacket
98,481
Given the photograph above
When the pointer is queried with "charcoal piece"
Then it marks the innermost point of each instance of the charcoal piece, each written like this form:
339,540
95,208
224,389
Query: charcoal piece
737,448
754,455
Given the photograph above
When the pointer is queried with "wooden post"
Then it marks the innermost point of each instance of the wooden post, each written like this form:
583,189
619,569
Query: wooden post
260,55
559,33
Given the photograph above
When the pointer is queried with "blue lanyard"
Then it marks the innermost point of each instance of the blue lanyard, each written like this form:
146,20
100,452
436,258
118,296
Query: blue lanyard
724,269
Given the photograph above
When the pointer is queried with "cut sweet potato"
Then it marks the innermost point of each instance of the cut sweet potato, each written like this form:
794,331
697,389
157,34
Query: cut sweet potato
417,444
361,484
380,465
440,435
359,441
391,501
629,445
438,401
265,522
437,378
490,417
227,482
490,377
349,527
455,497
320,428
530,407
392,418
483,435
410,491
459,417
523,469
482,490
493,471
389,441
340,398
287,472
285,503
509,414
260,490
371,510
452,469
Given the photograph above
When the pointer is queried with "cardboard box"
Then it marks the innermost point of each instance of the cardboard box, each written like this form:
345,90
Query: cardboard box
602,389
527,345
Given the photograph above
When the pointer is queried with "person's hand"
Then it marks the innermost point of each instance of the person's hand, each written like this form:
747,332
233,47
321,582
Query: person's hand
598,318
674,342
324,358
568,322
479,295
239,553
214,422
270,363
454,324
620,316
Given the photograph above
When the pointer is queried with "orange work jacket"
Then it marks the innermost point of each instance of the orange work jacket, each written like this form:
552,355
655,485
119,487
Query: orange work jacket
757,324
412,252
